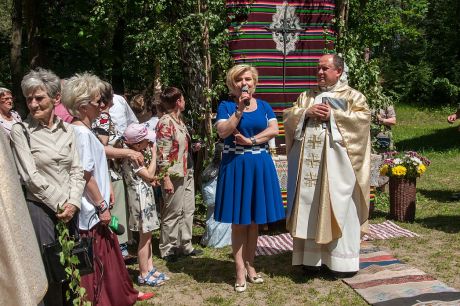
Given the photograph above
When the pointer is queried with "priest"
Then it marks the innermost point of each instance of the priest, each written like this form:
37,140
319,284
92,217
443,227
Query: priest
328,147
22,274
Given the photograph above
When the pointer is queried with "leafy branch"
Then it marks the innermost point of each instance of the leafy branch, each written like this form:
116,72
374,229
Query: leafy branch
70,262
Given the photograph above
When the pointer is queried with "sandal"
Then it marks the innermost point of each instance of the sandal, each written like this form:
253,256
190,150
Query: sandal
161,276
255,279
150,280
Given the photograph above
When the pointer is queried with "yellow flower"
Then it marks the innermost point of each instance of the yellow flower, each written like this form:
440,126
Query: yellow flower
421,169
399,171
384,170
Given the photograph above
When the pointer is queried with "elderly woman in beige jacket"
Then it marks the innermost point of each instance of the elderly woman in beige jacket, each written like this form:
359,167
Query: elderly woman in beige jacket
45,152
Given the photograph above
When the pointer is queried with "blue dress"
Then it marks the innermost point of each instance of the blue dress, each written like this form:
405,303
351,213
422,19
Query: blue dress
248,189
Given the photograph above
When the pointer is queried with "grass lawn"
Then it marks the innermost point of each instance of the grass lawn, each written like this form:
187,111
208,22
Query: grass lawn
209,280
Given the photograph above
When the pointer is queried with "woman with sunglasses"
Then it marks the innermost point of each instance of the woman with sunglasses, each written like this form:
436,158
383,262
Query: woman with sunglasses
110,284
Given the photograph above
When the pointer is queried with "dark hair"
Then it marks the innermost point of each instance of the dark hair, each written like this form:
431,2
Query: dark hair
106,91
137,103
338,62
169,97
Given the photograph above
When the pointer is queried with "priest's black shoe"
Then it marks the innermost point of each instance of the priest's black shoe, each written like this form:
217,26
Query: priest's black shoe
311,270
195,252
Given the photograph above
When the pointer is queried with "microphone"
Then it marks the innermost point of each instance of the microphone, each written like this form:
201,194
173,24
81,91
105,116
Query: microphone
245,89
117,228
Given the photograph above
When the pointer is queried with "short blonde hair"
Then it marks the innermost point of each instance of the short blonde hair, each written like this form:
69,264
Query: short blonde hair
80,90
235,72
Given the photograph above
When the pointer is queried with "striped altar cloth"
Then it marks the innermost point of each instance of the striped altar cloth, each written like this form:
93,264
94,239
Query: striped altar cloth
272,245
256,40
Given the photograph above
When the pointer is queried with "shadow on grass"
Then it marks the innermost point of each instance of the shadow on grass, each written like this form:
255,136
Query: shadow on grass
205,269
442,196
447,224
441,140
281,266
379,214
211,270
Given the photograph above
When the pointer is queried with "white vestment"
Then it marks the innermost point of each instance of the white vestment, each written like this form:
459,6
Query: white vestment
341,254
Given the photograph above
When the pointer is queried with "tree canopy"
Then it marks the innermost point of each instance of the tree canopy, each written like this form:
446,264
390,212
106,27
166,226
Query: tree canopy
413,46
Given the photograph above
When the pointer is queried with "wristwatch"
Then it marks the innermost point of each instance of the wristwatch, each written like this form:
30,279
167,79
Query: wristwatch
238,114
103,206
253,140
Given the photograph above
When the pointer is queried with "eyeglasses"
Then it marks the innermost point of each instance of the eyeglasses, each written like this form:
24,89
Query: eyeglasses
98,102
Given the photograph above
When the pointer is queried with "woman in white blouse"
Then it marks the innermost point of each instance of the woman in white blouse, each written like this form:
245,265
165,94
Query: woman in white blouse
111,283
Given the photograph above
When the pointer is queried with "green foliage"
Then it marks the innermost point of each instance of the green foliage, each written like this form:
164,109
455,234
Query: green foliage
364,75
415,45
70,262
382,201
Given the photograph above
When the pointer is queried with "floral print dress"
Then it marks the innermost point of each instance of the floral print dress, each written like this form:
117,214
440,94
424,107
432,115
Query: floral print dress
142,210
172,146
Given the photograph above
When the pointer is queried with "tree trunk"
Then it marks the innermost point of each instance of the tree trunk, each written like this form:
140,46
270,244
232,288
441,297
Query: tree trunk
157,83
36,50
206,99
118,57
342,9
16,56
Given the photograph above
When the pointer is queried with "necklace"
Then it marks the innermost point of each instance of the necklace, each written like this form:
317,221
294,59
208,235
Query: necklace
92,131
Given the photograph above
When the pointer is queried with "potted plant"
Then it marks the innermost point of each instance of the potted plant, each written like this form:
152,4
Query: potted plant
403,169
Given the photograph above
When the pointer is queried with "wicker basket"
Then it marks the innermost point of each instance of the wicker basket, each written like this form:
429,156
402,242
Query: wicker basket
402,199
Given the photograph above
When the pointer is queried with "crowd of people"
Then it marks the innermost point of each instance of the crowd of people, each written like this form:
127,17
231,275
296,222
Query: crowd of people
85,158
79,165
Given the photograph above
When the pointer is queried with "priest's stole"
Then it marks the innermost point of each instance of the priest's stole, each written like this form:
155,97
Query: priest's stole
284,41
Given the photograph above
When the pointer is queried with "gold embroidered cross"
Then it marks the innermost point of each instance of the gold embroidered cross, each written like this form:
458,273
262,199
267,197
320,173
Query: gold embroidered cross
312,159
310,179
313,141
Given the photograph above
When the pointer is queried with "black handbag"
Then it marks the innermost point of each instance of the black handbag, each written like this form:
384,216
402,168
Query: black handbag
83,249
383,141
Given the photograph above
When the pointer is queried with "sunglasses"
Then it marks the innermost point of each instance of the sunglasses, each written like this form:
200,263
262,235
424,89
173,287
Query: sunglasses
99,102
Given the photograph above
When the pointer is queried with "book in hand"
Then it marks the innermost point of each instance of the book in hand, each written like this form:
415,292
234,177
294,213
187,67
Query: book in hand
335,103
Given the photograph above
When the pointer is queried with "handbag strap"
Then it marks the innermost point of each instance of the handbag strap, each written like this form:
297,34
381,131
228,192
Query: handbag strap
26,133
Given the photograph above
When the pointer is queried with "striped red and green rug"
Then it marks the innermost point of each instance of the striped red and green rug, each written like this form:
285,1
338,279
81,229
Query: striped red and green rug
256,40
383,280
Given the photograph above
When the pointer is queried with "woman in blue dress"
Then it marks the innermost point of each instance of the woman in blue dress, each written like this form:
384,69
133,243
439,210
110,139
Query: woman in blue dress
248,191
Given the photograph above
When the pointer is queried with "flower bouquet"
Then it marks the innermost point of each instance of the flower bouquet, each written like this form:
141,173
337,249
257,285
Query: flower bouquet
403,169
408,165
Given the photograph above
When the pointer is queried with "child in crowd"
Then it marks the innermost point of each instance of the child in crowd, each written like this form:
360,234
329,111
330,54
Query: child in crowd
157,111
143,216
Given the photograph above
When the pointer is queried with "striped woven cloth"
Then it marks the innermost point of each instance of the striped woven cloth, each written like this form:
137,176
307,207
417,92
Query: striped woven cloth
256,40
271,245
387,230
385,281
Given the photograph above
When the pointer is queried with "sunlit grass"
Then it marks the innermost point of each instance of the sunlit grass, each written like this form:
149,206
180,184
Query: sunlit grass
209,280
